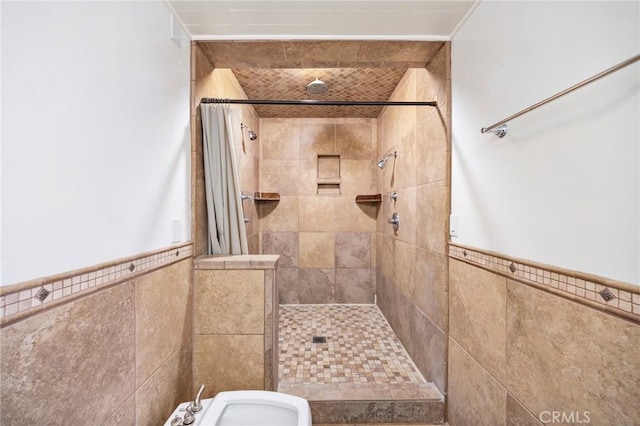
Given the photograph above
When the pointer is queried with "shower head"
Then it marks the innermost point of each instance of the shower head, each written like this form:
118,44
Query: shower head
252,134
383,162
317,87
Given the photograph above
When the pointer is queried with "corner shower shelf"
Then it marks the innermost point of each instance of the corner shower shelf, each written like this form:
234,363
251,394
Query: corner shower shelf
372,198
266,196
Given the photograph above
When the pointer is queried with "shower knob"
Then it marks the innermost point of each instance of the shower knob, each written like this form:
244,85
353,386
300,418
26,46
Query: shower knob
395,221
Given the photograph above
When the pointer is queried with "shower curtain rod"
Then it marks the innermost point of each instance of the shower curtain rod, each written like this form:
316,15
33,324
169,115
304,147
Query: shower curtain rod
315,102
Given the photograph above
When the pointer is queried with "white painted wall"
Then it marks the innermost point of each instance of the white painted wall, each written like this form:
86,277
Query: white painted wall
563,187
95,135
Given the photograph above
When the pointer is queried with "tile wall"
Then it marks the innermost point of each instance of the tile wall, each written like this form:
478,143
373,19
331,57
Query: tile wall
235,323
520,353
117,352
221,83
412,262
325,242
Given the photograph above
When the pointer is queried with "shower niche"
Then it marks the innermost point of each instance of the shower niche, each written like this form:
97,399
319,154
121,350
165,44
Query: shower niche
328,176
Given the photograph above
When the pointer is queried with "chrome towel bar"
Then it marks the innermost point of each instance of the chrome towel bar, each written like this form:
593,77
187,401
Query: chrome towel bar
500,128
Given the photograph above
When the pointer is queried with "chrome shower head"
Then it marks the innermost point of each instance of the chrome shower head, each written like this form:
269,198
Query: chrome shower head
252,134
383,162
317,87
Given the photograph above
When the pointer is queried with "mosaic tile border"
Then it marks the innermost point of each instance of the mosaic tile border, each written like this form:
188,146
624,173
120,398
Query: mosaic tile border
24,299
600,293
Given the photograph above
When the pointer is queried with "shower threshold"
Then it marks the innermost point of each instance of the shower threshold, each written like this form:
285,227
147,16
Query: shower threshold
360,373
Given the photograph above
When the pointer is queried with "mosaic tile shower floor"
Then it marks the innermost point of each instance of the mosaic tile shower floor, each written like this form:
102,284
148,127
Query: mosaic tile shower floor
361,347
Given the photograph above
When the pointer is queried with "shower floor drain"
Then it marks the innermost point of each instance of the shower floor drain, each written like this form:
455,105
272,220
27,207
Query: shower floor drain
319,339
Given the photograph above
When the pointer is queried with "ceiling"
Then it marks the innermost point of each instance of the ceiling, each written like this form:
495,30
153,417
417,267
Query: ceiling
360,48
321,19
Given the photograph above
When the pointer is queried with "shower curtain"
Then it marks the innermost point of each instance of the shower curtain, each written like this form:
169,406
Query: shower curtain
226,229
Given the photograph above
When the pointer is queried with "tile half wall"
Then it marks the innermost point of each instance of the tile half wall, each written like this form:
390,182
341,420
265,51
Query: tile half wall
115,348
529,343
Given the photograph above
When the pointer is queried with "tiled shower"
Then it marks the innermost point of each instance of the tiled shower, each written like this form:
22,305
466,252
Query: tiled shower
334,250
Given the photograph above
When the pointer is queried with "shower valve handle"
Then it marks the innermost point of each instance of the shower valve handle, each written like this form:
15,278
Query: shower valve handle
395,221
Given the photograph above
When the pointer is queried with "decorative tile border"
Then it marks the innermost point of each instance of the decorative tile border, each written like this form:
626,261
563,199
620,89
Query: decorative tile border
21,300
601,293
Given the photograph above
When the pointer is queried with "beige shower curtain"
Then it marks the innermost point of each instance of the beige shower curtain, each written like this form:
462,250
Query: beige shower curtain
227,233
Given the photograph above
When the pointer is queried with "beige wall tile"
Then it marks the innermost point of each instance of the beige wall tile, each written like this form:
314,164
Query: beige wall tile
253,241
316,138
287,281
431,286
357,177
316,286
163,316
431,149
167,387
405,255
308,177
279,139
353,250
403,119
403,322
477,316
475,396
352,217
405,163
354,286
228,362
562,356
229,302
284,244
406,208
517,415
390,174
429,349
317,249
317,214
205,81
279,216
373,250
81,353
388,256
279,176
432,216
354,141
125,415
388,207
436,82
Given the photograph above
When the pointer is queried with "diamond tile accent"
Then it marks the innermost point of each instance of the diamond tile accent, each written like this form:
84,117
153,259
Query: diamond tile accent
624,301
72,284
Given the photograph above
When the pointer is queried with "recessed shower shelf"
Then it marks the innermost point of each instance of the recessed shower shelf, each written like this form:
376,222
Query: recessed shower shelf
329,180
266,196
368,199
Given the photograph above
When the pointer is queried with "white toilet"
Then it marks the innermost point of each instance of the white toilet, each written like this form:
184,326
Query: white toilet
251,408
257,408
